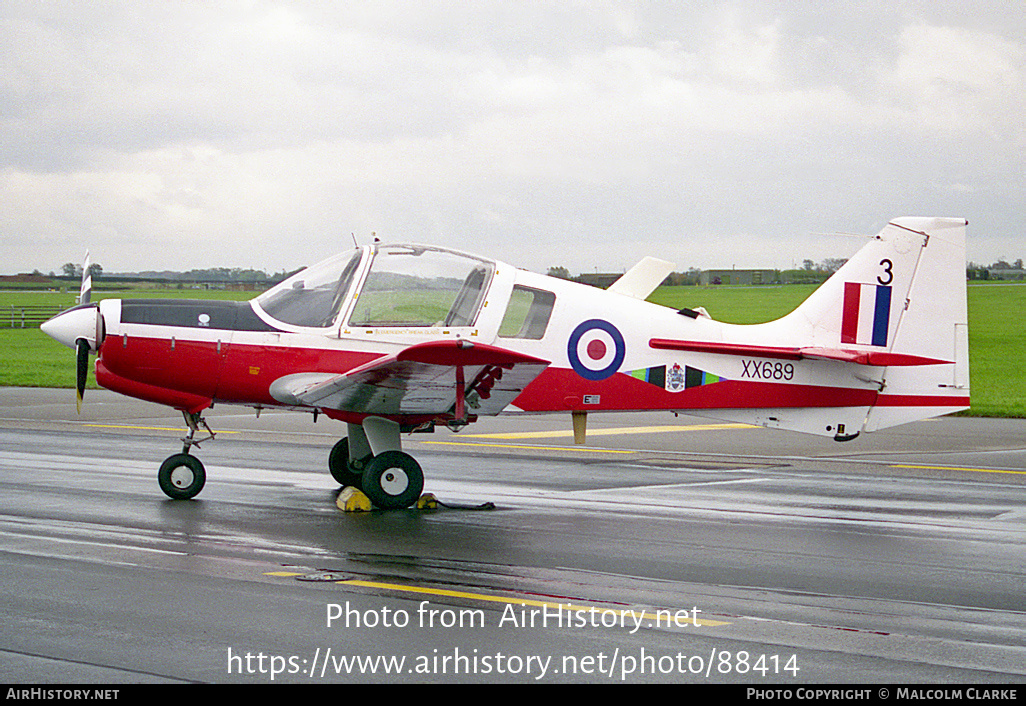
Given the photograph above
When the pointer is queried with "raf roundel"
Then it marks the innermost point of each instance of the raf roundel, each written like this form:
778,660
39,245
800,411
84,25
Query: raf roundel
596,349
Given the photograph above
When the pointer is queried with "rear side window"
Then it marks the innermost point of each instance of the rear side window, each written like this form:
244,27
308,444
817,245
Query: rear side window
527,314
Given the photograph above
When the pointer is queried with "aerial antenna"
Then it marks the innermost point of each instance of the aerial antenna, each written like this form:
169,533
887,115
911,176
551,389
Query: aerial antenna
847,235
355,244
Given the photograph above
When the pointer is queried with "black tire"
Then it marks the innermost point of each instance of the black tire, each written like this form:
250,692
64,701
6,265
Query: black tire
393,480
342,469
181,476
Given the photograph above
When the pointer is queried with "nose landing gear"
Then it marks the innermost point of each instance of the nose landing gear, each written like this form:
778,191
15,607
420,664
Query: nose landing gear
182,475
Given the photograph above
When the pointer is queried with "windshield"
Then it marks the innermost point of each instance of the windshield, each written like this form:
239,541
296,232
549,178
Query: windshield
419,286
314,296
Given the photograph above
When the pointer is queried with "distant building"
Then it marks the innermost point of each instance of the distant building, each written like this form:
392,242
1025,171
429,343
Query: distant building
744,277
26,279
599,279
1006,274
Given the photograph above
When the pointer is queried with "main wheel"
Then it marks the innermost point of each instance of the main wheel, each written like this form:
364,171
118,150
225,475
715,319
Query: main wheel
181,476
343,470
393,480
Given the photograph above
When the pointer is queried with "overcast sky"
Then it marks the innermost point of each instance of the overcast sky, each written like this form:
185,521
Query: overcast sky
172,135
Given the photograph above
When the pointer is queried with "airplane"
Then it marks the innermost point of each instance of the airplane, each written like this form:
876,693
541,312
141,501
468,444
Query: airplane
398,338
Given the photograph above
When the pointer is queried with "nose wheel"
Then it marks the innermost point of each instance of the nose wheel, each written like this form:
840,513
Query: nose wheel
181,476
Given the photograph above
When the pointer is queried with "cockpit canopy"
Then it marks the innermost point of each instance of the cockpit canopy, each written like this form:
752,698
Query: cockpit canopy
383,285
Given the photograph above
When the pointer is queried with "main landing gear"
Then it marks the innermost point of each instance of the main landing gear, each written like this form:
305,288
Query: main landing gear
182,475
370,458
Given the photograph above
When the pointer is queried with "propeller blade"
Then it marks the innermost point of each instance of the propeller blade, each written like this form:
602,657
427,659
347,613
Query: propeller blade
81,370
86,291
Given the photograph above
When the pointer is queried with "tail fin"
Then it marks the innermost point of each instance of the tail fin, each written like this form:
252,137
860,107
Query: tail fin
934,325
900,303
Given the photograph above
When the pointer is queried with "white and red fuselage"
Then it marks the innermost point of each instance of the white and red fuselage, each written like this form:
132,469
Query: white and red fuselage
417,334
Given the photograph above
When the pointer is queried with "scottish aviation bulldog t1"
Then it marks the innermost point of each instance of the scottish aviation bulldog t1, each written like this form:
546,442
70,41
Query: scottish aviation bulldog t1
396,338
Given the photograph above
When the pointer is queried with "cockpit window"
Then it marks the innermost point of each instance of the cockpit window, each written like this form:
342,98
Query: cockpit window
314,296
418,286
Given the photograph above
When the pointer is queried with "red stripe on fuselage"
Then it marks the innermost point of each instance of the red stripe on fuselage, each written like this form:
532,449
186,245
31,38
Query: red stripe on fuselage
559,389
149,369
922,401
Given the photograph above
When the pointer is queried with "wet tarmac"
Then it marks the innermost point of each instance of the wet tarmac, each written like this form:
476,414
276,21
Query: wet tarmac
668,548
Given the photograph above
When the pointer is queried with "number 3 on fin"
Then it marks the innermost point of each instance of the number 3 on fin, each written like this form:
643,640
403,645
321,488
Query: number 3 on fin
887,265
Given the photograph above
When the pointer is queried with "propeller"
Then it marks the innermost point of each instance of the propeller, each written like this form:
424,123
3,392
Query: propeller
83,329
85,292
81,370
82,345
80,327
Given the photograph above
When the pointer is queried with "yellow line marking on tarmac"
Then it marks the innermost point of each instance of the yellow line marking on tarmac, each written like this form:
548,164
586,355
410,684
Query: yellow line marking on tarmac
128,426
531,448
958,468
609,431
666,616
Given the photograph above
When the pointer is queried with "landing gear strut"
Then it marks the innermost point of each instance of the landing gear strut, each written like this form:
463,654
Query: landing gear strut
182,475
371,459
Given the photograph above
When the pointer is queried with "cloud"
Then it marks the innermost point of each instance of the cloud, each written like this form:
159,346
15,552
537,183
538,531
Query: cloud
264,133
952,78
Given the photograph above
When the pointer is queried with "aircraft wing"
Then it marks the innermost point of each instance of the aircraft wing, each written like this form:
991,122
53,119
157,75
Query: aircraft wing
435,377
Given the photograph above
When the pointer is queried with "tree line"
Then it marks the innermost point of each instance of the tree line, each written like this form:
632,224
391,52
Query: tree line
810,271
210,274
1001,269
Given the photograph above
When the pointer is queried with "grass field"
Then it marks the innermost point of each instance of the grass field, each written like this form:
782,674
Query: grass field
997,338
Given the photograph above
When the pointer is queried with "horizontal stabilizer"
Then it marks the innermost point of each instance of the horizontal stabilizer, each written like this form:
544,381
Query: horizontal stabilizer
876,358
642,279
